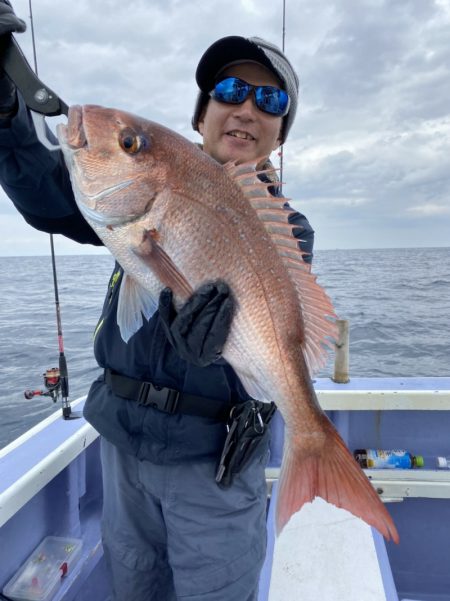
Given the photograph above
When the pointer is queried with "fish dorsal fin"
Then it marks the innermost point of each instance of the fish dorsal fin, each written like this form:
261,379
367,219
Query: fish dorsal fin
317,310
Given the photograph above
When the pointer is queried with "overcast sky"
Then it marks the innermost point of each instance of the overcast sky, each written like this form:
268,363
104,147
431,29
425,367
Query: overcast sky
368,159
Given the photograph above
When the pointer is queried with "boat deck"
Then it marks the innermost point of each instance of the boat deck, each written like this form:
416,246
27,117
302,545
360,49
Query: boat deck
50,484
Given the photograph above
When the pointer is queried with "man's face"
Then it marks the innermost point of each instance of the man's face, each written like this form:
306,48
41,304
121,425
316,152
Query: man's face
241,132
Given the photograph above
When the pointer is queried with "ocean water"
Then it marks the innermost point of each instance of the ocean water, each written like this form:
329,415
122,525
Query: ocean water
397,302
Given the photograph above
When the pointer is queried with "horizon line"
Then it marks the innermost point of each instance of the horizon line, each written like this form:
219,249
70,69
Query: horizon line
106,253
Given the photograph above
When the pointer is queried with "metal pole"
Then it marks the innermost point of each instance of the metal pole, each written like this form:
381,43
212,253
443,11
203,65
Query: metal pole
341,360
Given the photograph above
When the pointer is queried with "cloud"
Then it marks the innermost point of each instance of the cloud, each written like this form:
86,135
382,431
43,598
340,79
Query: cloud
19,239
366,160
430,210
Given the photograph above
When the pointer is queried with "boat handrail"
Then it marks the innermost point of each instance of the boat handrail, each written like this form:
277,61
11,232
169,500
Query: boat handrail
31,461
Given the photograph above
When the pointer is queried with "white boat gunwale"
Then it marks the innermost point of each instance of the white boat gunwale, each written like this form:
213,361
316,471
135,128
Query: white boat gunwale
22,479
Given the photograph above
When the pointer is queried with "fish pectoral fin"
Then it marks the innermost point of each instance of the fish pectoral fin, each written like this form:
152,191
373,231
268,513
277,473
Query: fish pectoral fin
134,302
156,258
334,475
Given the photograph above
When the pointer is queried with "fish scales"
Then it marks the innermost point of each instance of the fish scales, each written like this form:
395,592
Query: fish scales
240,252
174,217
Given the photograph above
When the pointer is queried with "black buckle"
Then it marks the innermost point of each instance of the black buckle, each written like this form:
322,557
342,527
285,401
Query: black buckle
164,399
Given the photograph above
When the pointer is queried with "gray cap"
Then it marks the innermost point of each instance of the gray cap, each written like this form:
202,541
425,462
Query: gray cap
234,49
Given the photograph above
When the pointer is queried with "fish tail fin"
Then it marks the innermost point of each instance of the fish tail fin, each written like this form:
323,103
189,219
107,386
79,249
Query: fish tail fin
333,474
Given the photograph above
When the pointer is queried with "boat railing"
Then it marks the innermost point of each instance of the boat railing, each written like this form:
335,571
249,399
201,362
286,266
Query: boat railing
377,412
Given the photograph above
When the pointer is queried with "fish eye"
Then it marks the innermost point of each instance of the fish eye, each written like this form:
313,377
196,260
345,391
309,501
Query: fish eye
130,141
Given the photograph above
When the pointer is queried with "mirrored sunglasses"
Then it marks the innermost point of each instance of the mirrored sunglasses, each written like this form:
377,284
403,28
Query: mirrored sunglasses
268,99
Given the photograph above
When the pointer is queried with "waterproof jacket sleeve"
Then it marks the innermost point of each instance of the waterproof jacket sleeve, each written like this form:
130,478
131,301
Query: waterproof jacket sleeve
302,229
304,234
37,181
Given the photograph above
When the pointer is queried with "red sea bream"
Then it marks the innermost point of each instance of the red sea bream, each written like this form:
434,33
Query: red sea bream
172,216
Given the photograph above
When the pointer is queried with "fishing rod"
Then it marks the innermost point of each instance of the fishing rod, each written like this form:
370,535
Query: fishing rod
56,380
283,36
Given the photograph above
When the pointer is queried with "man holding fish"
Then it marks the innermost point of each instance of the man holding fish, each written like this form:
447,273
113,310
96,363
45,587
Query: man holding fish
201,316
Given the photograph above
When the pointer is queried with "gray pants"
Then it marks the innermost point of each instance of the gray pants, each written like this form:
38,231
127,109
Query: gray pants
170,533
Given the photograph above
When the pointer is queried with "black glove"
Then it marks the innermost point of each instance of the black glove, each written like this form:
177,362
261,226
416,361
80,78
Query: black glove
198,332
9,23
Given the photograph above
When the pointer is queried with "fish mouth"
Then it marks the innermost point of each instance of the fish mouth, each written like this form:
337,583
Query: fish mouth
72,136
73,139
75,136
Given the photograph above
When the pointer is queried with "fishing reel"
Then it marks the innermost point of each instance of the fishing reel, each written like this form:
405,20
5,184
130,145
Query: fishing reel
56,382
52,383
